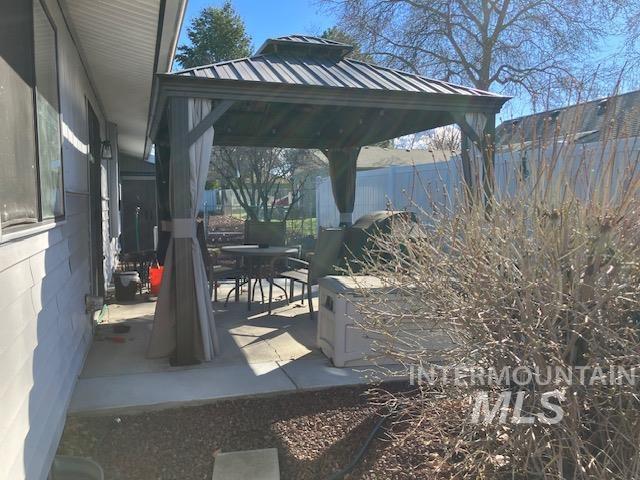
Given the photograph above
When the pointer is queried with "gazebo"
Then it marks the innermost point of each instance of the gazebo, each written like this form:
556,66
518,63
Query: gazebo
300,92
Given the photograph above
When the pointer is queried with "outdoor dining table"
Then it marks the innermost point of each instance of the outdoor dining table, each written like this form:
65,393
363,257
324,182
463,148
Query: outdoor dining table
257,254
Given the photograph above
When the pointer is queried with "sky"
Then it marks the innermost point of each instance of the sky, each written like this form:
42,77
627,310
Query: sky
268,18
275,18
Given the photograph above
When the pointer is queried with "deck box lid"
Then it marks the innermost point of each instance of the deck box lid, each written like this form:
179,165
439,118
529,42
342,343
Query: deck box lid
345,284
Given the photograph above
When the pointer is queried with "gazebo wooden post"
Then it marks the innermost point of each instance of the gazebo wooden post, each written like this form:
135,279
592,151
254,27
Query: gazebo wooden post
163,155
478,155
184,319
489,157
185,314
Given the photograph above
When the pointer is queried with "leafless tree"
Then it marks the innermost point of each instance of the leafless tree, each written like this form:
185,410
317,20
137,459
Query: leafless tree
260,176
519,45
630,53
445,139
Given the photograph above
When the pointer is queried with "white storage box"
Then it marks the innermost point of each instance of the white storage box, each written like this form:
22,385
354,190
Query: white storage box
344,341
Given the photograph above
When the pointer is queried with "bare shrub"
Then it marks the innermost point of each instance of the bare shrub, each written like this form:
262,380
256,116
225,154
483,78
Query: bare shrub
547,277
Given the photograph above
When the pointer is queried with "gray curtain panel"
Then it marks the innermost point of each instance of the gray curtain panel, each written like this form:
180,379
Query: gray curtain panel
343,170
166,321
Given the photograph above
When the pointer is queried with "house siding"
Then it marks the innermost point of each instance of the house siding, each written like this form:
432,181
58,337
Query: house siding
44,329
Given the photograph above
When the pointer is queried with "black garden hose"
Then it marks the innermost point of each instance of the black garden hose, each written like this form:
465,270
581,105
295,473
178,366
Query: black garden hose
340,474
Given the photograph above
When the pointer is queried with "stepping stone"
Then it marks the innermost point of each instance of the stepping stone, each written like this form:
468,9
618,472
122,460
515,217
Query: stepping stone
247,465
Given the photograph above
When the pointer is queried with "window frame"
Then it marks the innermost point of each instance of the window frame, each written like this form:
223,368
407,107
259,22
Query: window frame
22,230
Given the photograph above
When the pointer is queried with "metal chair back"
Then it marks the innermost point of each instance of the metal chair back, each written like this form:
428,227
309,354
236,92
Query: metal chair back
326,254
264,233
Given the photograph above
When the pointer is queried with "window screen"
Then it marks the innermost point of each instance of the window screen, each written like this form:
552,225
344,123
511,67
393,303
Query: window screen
18,193
48,114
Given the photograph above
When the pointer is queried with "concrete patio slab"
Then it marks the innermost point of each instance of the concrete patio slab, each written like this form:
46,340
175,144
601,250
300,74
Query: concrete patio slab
179,387
110,356
317,371
248,465
260,354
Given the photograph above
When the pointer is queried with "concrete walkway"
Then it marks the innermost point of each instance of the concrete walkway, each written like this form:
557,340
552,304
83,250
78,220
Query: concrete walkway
260,355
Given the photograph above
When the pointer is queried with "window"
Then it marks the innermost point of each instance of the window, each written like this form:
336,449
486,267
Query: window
18,193
31,187
47,115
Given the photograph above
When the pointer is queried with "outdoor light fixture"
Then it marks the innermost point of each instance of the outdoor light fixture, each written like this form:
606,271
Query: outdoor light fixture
106,153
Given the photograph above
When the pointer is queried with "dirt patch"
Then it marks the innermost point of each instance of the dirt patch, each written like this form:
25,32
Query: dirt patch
316,433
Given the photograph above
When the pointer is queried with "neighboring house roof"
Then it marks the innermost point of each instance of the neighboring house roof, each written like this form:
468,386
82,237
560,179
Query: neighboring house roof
379,157
612,117
286,60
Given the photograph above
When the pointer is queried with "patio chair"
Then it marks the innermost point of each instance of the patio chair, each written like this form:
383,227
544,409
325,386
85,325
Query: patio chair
321,262
268,233
217,272
264,233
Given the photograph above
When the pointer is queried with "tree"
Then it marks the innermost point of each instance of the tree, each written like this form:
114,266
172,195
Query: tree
337,34
216,35
260,177
445,139
530,45
631,44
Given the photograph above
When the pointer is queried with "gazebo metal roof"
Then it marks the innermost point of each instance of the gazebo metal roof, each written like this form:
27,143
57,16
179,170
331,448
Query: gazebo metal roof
302,91
323,65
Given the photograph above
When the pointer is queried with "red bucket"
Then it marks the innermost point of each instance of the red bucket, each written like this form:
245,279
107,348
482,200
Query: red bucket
155,279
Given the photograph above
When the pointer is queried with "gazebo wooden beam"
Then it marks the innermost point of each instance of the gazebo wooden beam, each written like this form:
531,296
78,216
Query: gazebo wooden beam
181,86
207,122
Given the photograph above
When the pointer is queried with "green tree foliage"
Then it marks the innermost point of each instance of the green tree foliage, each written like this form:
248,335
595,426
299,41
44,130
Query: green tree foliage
216,35
339,35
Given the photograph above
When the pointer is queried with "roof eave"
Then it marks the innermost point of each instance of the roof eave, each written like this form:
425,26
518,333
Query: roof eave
166,45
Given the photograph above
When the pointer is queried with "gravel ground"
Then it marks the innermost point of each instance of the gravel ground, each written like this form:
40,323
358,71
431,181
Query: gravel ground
226,223
315,433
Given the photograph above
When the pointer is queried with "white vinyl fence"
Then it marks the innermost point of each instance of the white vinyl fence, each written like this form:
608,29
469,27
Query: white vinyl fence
421,187
412,188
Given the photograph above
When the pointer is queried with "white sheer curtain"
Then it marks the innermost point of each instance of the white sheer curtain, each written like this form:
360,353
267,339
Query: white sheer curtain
163,337
199,157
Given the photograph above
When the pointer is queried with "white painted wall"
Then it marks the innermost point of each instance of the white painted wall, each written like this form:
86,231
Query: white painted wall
44,330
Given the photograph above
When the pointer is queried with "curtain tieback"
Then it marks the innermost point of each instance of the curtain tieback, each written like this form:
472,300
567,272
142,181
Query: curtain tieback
181,227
